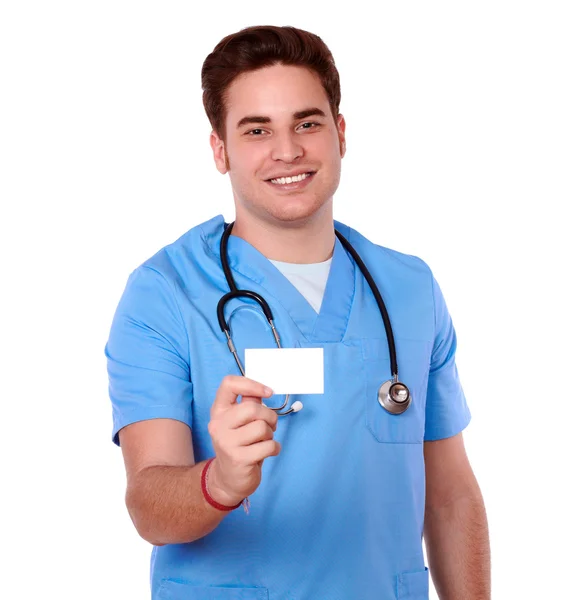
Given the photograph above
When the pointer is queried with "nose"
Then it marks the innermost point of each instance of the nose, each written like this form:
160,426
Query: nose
287,147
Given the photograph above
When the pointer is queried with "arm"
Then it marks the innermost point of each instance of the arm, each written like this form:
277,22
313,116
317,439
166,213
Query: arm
456,531
151,392
163,494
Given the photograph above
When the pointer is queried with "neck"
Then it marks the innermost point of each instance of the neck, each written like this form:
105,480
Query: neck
307,242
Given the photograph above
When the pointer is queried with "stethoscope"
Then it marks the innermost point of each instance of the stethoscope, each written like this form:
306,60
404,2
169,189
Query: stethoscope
393,395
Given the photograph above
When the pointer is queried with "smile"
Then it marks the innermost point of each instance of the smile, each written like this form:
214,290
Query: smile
294,179
291,183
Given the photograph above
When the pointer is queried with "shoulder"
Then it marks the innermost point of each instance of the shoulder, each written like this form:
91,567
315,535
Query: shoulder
387,259
182,262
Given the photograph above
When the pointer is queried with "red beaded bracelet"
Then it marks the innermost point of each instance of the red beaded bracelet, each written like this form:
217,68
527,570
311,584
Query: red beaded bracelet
212,501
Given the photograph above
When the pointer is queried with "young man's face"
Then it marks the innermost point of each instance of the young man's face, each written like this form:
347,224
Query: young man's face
267,138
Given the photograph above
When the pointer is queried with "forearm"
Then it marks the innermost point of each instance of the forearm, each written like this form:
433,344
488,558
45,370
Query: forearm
458,551
167,506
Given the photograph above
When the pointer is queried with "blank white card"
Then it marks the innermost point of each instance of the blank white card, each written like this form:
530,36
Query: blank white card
287,370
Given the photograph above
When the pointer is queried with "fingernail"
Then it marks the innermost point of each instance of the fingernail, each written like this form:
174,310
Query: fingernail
268,391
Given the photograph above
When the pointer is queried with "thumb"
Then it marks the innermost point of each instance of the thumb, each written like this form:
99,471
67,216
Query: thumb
233,386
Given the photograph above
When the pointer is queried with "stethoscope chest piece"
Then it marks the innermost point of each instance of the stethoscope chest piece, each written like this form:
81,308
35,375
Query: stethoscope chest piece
394,397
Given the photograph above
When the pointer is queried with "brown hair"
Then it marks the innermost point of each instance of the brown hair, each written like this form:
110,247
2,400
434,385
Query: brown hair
256,47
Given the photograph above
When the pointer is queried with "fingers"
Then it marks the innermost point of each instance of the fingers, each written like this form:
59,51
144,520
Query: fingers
246,412
246,446
233,386
256,453
251,399
242,433
257,431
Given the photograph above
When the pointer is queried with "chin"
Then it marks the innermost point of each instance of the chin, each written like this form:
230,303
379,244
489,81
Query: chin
285,208
294,212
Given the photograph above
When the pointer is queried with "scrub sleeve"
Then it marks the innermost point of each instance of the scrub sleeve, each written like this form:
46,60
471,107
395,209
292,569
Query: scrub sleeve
147,352
447,413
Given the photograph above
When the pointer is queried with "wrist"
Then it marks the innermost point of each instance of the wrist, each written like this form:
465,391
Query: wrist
215,488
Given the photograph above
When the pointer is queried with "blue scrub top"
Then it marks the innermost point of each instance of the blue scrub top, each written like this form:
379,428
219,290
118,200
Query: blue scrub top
339,513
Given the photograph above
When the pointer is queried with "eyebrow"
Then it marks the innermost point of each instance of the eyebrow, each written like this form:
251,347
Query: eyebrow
301,114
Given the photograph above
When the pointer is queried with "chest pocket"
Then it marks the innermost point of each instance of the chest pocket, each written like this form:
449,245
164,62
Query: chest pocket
413,358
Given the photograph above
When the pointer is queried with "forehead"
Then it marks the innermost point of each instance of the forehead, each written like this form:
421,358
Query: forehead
275,92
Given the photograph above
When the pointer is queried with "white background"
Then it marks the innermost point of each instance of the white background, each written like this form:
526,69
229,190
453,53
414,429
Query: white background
461,149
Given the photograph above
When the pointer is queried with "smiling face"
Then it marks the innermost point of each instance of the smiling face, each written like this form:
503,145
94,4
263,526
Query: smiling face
279,124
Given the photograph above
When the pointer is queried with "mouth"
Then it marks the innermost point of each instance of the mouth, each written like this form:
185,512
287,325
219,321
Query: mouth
297,182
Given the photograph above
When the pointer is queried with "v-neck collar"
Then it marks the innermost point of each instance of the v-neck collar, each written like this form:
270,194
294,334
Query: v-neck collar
330,324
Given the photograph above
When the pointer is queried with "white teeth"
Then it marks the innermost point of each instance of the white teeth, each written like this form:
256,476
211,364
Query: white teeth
285,180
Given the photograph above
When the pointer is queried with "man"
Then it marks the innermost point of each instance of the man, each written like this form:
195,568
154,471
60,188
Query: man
337,492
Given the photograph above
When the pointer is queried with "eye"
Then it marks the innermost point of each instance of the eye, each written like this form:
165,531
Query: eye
251,132
312,124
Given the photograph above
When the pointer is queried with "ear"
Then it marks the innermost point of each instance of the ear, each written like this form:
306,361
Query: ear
219,152
341,125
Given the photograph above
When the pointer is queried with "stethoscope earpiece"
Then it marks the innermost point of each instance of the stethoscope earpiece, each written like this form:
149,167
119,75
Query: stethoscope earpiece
293,408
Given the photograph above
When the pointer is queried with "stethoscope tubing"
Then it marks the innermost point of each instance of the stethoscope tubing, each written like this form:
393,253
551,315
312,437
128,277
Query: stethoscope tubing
236,293
378,298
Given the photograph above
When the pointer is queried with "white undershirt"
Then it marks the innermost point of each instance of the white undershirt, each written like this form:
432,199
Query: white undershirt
310,280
